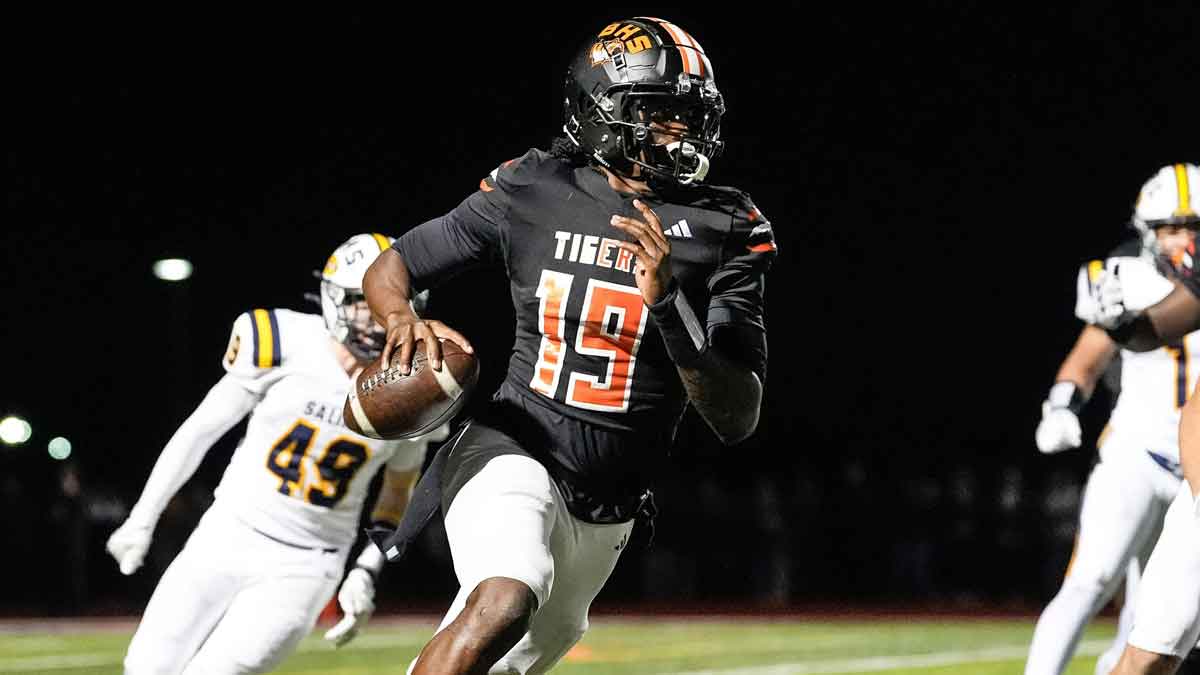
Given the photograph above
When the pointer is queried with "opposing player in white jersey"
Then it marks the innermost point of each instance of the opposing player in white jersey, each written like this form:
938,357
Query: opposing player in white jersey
270,551
1138,474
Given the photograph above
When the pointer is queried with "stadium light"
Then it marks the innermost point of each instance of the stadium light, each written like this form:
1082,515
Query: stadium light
173,269
60,448
14,430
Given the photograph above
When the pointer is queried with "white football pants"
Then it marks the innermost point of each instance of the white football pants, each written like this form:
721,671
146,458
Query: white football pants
232,601
1123,506
510,520
1108,660
1168,619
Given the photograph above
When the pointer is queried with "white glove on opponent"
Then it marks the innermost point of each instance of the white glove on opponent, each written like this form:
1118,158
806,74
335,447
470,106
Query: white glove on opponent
1059,430
357,596
1108,292
129,544
357,600
1100,295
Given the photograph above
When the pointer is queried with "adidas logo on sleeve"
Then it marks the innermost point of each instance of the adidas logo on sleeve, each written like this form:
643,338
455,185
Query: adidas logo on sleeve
679,229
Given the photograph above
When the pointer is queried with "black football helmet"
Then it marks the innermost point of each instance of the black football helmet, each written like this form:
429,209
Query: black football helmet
641,72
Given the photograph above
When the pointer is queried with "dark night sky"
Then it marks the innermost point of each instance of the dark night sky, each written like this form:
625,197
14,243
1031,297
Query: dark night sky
934,176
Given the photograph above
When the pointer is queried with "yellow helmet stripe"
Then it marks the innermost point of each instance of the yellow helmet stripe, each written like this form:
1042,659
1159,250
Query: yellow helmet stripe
383,242
266,343
1185,197
1094,269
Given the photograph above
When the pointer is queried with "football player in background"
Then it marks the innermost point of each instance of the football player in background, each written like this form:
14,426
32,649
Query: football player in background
1168,624
268,554
1138,474
637,289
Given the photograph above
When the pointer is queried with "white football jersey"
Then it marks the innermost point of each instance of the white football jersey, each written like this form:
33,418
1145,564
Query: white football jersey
1154,387
299,475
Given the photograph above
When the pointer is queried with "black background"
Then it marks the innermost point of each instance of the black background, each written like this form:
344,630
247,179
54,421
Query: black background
934,175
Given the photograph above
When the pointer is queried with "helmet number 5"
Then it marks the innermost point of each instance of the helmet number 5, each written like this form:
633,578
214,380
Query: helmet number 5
611,325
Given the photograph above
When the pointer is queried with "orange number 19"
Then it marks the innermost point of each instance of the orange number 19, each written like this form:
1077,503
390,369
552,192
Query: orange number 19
610,326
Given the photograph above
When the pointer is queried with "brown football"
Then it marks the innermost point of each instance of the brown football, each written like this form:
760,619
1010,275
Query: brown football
387,404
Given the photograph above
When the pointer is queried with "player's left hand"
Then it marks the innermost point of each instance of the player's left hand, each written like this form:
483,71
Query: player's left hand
128,545
652,272
357,599
1109,295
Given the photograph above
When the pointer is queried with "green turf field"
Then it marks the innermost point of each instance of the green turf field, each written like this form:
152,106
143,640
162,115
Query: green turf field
642,646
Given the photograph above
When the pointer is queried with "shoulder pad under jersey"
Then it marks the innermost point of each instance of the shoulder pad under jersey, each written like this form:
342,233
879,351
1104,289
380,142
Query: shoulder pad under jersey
519,172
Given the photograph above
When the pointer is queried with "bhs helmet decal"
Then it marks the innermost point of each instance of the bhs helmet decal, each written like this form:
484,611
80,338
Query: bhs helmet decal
641,93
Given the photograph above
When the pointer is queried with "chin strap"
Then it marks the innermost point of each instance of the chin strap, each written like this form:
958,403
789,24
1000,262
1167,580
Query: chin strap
690,153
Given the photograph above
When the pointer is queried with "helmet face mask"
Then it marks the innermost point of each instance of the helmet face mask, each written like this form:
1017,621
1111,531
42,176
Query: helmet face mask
350,322
657,108
343,304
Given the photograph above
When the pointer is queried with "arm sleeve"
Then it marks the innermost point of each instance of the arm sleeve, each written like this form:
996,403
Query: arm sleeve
475,233
226,404
735,323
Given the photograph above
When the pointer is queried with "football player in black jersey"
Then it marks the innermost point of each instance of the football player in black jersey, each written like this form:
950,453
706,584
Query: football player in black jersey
637,288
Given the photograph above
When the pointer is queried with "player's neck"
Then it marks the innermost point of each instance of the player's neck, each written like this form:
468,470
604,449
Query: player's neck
344,357
631,184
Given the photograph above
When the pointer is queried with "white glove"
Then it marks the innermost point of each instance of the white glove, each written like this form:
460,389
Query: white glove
1059,430
1100,295
128,545
1111,297
357,600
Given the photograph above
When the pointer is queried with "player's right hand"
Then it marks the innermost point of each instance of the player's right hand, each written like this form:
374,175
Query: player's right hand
405,329
129,544
357,600
1059,430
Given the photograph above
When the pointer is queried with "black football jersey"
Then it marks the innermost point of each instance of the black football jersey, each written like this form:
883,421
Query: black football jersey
586,348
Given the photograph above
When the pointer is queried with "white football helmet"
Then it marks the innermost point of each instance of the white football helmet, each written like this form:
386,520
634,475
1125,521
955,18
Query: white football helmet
1170,197
343,304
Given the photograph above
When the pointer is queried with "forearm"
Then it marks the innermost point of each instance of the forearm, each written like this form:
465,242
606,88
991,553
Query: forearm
226,403
1087,360
394,495
726,394
387,287
1167,321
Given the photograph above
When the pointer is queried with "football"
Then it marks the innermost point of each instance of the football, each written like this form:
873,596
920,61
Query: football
386,404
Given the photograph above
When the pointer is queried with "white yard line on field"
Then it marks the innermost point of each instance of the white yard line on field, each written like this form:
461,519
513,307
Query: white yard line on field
880,664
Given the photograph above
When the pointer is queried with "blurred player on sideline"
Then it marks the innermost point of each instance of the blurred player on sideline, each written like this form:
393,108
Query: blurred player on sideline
268,554
1138,474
